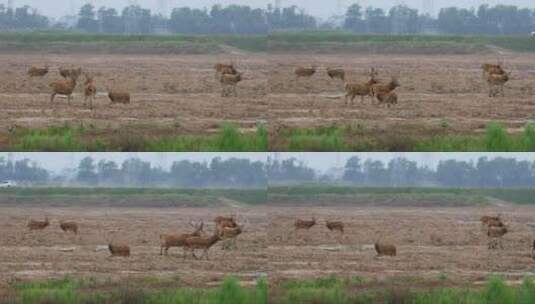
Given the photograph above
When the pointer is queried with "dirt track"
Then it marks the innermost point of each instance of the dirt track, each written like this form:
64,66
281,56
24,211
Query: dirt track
430,241
177,93
436,91
37,255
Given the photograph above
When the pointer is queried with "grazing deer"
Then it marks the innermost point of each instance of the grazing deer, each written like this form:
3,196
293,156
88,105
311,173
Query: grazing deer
336,74
228,233
335,226
203,243
38,225
222,69
64,87
178,240
69,227
304,224
40,72
90,90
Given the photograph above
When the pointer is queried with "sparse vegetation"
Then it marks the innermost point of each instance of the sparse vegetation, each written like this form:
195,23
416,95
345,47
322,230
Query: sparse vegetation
68,291
69,138
340,138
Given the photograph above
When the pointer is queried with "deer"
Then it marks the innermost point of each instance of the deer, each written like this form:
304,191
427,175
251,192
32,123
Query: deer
64,87
359,89
384,249
178,240
492,69
304,72
335,226
497,83
385,88
225,221
119,97
40,72
304,224
90,90
68,73
69,227
228,233
388,98
230,81
222,69
203,243
336,74
119,250
495,235
38,225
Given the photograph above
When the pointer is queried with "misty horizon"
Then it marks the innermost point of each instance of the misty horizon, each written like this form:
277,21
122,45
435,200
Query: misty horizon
320,162
320,9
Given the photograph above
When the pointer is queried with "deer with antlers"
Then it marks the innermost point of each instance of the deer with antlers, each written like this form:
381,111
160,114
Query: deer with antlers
361,89
179,240
202,243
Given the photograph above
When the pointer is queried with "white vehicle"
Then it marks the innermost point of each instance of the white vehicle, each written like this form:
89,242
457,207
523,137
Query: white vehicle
7,184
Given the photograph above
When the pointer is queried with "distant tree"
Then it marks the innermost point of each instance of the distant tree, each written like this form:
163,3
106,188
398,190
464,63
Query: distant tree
86,172
87,19
353,170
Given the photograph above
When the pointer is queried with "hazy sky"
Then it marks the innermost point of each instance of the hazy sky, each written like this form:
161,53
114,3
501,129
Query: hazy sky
321,8
319,161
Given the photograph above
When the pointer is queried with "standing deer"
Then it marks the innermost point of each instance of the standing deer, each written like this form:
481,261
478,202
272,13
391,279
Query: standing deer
69,227
336,74
90,91
63,87
335,226
304,72
304,224
178,240
203,243
40,72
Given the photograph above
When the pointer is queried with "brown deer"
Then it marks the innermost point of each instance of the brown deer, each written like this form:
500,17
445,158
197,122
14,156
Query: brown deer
225,221
119,97
69,227
388,98
383,249
304,72
304,224
38,225
178,240
40,72
385,88
228,233
497,83
222,69
336,74
335,226
492,69
69,73
63,87
229,83
202,243
90,90
359,89
495,235
119,250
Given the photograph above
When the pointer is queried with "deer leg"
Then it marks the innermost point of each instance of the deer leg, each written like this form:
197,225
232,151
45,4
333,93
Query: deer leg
52,97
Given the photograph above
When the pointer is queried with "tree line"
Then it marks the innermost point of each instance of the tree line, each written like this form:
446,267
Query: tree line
243,19
243,173
500,19
400,172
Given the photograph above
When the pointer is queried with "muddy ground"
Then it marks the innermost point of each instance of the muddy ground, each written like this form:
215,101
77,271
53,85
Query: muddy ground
432,243
39,255
172,94
437,92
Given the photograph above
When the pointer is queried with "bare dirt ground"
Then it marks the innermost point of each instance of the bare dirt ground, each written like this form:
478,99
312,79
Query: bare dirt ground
172,92
431,243
435,91
38,255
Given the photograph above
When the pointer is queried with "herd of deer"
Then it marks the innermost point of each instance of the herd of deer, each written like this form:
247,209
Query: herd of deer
495,76
495,230
226,228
